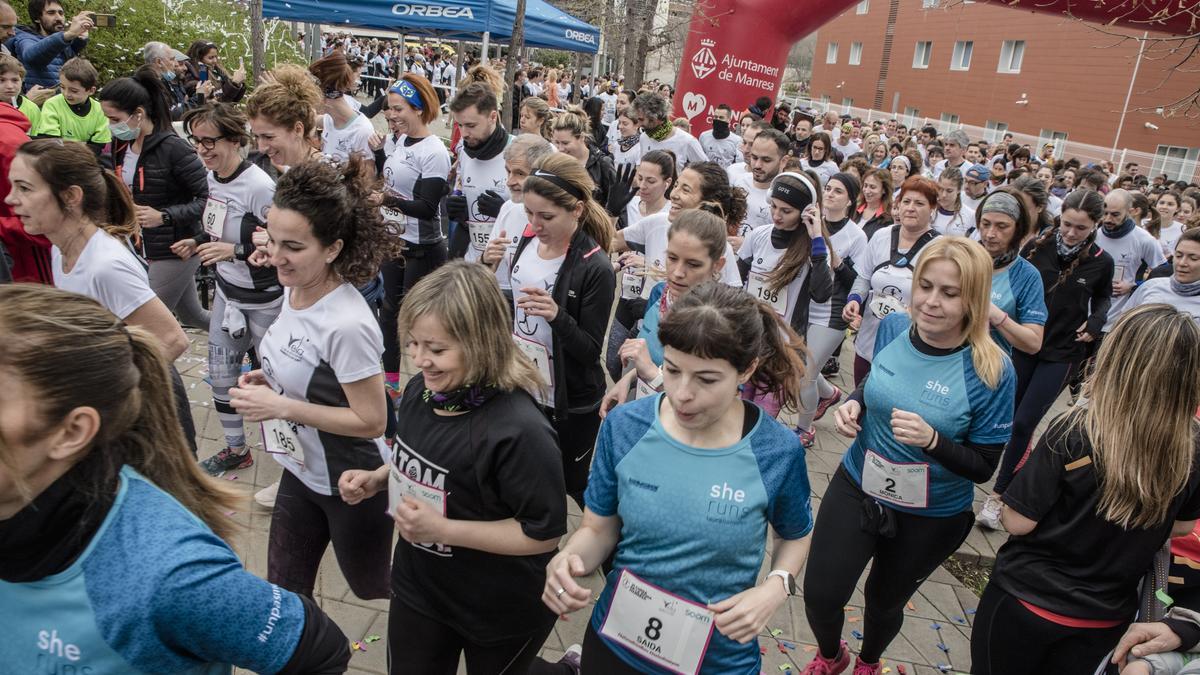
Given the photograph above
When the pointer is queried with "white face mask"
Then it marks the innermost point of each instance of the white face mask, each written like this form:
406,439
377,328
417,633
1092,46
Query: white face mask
123,131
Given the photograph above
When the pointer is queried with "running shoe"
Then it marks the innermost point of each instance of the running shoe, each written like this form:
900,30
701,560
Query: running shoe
807,437
823,666
831,367
227,460
266,496
989,514
863,668
823,404
573,658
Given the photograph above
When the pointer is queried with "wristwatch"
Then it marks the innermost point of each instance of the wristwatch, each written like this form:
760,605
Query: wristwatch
789,581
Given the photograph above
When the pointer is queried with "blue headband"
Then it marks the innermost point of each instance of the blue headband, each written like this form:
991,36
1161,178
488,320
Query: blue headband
409,93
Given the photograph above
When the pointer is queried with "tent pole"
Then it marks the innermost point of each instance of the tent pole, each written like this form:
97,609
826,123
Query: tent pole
483,53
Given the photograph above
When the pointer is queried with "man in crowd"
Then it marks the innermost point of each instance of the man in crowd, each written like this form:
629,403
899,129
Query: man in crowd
719,143
653,115
8,26
954,145
975,185
165,61
49,42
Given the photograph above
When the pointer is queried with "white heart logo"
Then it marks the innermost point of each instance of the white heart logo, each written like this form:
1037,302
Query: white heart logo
693,104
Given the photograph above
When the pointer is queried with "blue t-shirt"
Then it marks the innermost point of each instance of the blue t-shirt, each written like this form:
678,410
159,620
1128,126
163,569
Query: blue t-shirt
951,399
694,521
1018,290
650,321
155,591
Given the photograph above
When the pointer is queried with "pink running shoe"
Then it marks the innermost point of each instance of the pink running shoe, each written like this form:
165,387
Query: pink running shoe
824,404
863,668
823,666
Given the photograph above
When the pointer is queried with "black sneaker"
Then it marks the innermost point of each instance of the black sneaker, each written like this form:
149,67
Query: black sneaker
227,460
831,367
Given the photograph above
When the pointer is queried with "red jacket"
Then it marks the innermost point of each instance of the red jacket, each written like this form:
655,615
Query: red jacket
30,253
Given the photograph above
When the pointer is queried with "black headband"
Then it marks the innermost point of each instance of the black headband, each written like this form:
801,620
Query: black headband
790,194
561,184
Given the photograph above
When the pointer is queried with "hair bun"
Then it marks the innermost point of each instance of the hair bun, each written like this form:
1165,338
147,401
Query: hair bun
713,208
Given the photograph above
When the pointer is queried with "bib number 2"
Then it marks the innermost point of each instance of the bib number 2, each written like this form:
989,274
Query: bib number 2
896,483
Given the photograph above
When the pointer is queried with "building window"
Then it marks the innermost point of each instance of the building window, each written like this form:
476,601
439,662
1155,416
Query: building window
847,103
1058,138
929,4
1177,162
1012,52
961,60
921,54
825,103
910,116
994,131
863,7
855,53
831,51
949,122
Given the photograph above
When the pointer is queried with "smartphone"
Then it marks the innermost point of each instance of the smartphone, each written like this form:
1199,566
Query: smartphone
203,74
103,20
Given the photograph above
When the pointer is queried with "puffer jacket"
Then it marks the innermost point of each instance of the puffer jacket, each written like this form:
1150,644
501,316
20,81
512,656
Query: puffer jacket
170,178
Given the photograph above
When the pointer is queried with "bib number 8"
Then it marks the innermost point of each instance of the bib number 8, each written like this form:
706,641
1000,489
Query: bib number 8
653,628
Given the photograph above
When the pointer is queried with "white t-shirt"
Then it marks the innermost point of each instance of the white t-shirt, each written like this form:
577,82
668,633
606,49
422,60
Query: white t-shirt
685,146
758,205
427,158
532,333
941,166
736,171
723,151
475,177
954,224
609,113
249,191
129,166
888,281
308,355
1168,236
850,148
760,252
512,222
1054,207
633,212
631,156
1159,290
1128,253
825,170
353,138
650,233
969,202
107,272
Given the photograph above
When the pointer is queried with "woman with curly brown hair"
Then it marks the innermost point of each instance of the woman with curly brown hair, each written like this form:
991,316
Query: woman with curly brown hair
283,116
320,393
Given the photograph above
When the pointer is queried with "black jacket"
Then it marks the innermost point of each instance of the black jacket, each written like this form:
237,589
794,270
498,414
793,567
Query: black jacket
170,178
603,173
584,295
1084,295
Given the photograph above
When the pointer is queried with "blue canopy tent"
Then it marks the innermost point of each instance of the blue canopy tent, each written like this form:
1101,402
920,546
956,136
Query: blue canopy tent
545,25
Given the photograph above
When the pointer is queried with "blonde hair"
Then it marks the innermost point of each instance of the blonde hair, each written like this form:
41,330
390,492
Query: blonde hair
290,96
975,281
573,120
464,296
71,352
488,76
1142,432
595,221
540,110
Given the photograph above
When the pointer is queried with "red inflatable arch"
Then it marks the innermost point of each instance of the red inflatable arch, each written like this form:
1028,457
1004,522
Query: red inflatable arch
736,49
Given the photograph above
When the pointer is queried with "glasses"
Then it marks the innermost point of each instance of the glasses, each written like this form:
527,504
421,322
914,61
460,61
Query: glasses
207,143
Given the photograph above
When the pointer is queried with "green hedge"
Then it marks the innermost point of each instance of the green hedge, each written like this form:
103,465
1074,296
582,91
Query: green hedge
117,51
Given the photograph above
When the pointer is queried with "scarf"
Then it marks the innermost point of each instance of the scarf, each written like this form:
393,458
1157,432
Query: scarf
626,143
1068,252
490,148
1002,260
1188,290
660,133
781,239
1124,229
468,397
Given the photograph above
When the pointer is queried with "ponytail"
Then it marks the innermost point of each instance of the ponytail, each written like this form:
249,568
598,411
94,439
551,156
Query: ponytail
66,164
780,364
121,220
567,170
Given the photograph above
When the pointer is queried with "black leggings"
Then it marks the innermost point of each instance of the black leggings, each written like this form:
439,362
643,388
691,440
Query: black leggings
399,276
577,443
183,408
840,551
1007,638
1038,384
302,526
421,644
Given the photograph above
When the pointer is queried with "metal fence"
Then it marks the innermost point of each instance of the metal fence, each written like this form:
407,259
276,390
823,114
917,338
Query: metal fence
1177,168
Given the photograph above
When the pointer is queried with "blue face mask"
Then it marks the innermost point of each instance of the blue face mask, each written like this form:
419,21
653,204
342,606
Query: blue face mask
123,131
169,75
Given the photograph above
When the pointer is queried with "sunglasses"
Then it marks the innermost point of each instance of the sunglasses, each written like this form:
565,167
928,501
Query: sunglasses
206,143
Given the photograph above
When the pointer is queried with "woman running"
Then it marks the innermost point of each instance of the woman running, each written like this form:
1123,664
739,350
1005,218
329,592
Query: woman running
415,179
1105,487
476,486
520,157
283,119
885,275
320,391
1181,290
625,144
683,488
818,161
1018,310
248,297
901,499
952,217
168,184
344,130
1167,205
114,549
535,117
874,209
655,177
1077,278
571,134
563,287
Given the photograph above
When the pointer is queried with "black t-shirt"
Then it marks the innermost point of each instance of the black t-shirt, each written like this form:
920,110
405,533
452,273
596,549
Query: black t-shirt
1074,562
498,461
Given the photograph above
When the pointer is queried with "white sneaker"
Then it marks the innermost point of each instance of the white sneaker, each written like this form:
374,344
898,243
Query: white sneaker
266,496
989,515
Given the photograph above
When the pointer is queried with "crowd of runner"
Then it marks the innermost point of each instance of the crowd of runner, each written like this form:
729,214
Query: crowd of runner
594,304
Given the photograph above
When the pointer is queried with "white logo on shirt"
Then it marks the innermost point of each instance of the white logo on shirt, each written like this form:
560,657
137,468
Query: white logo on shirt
936,393
52,643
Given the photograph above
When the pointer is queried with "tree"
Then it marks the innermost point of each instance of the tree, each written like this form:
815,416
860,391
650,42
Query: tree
510,64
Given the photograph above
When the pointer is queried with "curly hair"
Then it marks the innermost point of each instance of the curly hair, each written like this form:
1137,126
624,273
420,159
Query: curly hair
334,200
715,187
292,97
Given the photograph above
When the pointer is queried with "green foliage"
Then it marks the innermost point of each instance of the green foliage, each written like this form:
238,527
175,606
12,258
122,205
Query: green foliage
117,51
553,58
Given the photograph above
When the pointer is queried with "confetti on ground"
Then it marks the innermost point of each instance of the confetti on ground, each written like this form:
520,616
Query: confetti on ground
960,620
372,638
789,645
935,625
776,632
233,477
901,670
782,649
762,650
854,619
848,609
357,646
886,671
942,646
809,648
784,667
857,634
970,612
911,607
943,667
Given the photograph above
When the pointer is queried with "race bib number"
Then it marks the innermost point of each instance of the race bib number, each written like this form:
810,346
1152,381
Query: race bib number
758,289
657,625
392,215
480,234
540,356
900,484
643,389
631,285
401,485
1118,272
281,437
214,217
883,305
